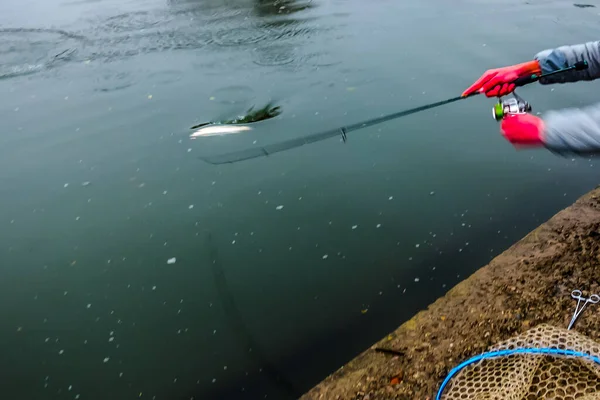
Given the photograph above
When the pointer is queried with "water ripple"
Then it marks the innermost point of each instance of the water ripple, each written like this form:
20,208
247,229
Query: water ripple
25,51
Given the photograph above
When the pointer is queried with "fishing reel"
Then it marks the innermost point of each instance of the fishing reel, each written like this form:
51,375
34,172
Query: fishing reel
513,105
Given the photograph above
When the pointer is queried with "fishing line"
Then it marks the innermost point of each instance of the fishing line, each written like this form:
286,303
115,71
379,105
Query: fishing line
267,150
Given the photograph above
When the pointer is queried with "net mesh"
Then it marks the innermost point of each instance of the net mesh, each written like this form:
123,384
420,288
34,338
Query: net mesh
532,376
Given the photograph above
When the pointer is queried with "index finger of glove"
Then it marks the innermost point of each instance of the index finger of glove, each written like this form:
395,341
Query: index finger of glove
479,83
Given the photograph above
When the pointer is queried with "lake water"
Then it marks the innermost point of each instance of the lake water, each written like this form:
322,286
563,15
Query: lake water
130,268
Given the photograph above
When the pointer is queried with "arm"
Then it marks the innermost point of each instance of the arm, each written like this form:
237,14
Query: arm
562,57
499,82
573,130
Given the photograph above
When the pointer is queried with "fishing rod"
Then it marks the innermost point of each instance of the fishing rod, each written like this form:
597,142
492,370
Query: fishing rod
514,105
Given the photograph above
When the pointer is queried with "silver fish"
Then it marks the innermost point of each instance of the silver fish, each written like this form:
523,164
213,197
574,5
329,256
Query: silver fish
219,130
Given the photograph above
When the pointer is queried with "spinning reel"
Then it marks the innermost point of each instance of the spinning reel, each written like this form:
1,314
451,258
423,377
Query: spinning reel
513,105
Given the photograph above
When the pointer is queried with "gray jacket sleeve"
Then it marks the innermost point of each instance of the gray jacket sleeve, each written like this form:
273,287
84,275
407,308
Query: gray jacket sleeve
572,130
566,56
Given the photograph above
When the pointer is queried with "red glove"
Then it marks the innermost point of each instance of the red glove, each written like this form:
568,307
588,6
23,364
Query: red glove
498,82
523,130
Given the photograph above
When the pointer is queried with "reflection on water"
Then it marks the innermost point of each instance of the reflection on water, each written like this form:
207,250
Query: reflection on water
269,7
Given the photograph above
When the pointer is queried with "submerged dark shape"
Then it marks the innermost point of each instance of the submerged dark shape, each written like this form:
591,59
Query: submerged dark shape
584,5
267,112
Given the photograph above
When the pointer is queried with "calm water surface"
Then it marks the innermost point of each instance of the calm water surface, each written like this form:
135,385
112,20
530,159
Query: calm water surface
131,269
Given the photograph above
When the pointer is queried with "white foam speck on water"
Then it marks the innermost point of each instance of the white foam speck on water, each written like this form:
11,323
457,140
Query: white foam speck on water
65,293
153,287
417,245
86,183
76,397
189,150
391,198
191,206
431,193
215,332
110,339
89,305
378,225
61,352
66,185
120,374
417,279
171,260
76,218
165,192
233,242
106,359
47,340
325,256
460,250
70,388
279,208
354,227
214,380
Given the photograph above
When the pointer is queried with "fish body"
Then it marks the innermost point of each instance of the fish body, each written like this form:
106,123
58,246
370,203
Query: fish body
219,130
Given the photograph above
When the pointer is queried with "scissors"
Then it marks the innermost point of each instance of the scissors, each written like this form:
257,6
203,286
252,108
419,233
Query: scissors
577,295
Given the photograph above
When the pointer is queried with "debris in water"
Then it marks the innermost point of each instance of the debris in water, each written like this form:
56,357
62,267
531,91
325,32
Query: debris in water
61,352
66,185
417,245
431,193
165,192
110,339
417,279
89,305
106,359
391,198
149,97
171,260
153,287
364,311
354,227
378,225
325,257
191,206
279,208
86,183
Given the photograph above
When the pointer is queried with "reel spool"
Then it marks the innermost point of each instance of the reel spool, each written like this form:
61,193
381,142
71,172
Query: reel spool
514,105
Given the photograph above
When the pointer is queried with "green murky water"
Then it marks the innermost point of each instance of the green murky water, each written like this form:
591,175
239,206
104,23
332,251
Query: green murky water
131,269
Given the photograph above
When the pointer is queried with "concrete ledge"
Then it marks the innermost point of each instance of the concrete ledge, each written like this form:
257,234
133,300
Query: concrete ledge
528,284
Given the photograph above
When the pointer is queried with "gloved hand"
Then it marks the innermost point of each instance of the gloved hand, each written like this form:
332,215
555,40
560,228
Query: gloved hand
498,82
523,130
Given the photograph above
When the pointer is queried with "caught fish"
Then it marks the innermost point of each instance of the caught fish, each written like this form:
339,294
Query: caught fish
219,130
